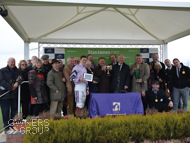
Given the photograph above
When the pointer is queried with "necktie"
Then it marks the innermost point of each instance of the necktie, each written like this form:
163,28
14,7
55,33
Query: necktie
137,66
120,67
178,71
58,72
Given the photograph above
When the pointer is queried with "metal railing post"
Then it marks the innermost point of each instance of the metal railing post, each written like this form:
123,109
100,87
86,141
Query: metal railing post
19,91
19,99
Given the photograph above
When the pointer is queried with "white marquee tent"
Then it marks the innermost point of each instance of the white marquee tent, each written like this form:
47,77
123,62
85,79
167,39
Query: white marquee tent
99,21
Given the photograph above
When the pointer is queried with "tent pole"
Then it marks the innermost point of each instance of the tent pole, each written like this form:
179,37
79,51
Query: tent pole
165,52
26,50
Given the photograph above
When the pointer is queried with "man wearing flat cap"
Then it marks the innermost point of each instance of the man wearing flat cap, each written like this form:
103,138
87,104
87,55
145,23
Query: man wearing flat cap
45,64
156,98
46,67
56,83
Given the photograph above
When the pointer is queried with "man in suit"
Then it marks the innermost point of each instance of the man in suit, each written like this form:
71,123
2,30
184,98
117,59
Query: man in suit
10,78
181,85
170,67
70,86
120,76
90,58
113,59
143,74
155,60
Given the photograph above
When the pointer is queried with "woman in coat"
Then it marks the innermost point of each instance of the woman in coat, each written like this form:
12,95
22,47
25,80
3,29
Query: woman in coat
92,85
151,78
37,88
25,92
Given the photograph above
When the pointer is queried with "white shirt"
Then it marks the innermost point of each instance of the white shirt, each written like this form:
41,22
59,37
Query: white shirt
120,66
170,67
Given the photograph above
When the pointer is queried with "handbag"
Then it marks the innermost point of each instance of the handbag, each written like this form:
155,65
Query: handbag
166,91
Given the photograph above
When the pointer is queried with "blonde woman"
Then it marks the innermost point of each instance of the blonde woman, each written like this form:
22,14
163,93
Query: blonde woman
38,92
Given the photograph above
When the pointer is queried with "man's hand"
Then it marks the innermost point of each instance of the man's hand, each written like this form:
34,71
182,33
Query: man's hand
56,91
110,68
69,92
139,80
143,92
87,92
94,82
104,68
134,69
82,79
170,104
35,98
63,79
125,87
160,80
15,86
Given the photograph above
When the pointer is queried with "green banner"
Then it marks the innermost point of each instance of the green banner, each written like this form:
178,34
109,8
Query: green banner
129,53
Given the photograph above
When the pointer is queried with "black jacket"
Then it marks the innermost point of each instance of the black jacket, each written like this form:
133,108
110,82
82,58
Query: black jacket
161,75
124,76
6,82
184,76
92,87
30,67
25,92
46,69
168,78
113,64
149,99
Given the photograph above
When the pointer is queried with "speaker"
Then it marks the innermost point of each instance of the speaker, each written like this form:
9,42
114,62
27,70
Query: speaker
4,12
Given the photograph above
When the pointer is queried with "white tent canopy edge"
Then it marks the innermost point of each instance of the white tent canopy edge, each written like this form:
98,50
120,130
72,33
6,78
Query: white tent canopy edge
179,6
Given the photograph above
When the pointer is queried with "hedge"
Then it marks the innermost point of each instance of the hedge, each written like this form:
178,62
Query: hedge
119,129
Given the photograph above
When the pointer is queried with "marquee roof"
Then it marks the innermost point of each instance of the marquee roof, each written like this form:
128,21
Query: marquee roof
99,21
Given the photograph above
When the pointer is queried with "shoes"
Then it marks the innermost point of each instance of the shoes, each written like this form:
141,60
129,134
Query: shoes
81,112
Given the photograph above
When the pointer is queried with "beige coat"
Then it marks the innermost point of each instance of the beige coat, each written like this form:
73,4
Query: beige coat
69,84
70,88
144,75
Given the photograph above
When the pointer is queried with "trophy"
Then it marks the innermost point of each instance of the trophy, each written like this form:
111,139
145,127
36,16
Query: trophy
137,74
108,70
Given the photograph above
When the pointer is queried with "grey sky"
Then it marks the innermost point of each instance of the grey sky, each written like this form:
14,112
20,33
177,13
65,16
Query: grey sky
13,46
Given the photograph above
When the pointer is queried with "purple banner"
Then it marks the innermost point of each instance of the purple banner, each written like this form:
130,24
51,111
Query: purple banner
102,104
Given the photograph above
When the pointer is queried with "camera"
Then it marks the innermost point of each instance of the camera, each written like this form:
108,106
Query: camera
3,12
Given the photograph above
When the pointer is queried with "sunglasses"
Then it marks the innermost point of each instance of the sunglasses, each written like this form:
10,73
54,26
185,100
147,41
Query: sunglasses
23,64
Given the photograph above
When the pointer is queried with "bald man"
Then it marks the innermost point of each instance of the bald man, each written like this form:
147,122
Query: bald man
9,81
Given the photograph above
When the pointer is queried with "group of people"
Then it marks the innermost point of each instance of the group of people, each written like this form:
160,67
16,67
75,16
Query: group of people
53,87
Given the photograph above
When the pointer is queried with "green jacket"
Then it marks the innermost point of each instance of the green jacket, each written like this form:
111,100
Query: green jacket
54,82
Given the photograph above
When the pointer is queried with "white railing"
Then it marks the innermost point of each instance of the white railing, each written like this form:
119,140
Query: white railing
19,89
